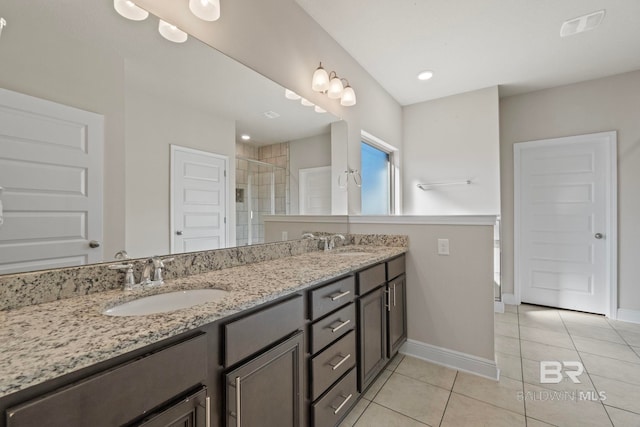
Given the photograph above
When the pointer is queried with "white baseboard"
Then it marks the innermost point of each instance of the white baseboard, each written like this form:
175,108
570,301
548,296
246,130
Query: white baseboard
498,307
627,315
452,359
509,299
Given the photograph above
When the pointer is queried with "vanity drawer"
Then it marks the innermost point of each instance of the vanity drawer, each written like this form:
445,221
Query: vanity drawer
332,363
329,297
395,267
371,278
121,394
332,327
336,403
252,333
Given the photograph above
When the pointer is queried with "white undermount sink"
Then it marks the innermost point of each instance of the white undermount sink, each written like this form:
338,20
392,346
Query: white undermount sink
163,303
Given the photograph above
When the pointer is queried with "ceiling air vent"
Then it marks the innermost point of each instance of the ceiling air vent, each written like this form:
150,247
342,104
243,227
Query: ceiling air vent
581,24
271,114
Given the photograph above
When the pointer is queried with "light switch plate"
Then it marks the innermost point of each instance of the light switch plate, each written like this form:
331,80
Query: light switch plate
443,246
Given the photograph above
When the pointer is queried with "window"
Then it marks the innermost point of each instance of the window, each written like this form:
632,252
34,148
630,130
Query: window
376,180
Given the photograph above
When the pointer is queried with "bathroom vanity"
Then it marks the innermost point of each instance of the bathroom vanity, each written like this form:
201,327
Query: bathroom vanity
294,342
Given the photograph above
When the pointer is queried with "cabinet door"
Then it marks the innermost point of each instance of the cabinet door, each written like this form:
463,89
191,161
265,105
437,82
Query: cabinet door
397,315
267,390
372,309
190,412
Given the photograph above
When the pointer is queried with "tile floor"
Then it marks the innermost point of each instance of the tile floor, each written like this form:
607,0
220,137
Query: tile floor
411,392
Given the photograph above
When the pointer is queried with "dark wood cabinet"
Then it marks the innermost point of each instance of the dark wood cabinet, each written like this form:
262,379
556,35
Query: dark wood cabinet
397,315
267,390
192,411
372,328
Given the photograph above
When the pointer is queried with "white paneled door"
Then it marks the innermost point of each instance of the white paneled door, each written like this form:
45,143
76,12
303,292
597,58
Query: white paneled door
315,191
199,200
51,178
565,218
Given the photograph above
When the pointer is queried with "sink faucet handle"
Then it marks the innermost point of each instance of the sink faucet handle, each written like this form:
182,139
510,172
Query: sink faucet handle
129,280
122,255
158,265
308,236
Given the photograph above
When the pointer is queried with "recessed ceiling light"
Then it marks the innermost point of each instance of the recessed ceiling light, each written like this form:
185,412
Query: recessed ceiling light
581,23
245,137
425,75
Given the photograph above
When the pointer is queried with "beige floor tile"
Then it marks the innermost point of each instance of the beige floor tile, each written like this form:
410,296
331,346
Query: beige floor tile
507,345
622,418
636,349
503,393
507,329
624,326
510,366
395,362
612,368
544,336
537,351
378,416
416,399
619,394
584,318
427,372
560,409
605,348
463,411
531,375
542,320
532,422
523,308
377,385
631,338
508,308
594,332
355,413
506,317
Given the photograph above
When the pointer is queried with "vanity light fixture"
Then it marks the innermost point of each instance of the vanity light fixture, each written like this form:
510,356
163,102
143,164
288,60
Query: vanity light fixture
333,86
129,10
207,10
171,32
425,75
289,94
306,102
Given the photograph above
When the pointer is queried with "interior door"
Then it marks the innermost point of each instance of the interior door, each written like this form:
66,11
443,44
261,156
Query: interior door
315,191
51,179
199,200
565,221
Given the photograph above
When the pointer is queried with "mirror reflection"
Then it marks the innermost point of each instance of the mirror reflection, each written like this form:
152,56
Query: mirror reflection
176,173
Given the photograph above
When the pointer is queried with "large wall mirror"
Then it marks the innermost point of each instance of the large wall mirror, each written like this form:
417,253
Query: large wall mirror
173,113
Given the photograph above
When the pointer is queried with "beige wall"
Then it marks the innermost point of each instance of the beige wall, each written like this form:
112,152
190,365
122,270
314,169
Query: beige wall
279,40
63,69
153,123
611,103
452,139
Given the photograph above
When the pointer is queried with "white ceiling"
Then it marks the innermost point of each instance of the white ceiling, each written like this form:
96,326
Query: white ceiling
473,44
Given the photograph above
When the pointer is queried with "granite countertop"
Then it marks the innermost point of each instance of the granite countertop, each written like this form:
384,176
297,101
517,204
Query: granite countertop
45,341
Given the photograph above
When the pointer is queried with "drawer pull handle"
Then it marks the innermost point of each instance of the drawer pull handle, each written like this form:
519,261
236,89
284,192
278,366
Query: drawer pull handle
344,359
338,296
207,416
340,326
344,402
238,397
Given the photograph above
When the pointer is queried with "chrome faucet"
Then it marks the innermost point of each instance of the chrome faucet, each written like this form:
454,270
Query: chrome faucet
332,240
151,273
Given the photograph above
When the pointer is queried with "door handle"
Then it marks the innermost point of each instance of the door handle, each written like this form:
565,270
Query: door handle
179,232
238,397
94,244
598,235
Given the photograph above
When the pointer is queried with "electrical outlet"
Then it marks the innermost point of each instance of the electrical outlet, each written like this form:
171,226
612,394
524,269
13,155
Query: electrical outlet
443,246
285,235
